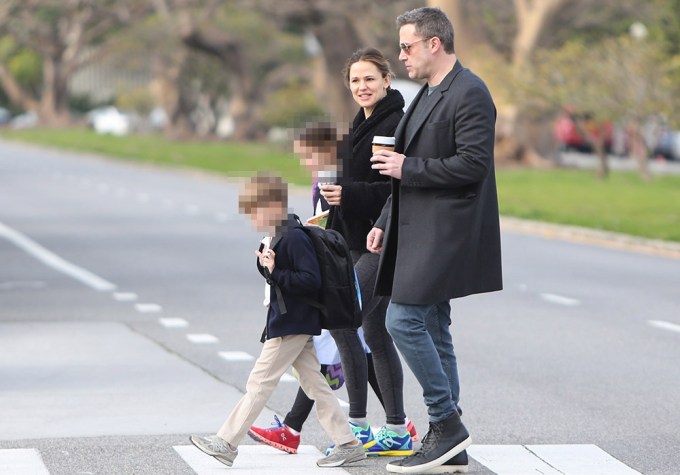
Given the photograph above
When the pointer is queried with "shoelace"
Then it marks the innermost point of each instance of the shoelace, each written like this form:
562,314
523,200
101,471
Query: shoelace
215,444
430,440
277,423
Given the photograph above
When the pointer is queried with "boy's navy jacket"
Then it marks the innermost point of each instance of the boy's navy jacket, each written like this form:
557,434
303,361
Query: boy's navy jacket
297,274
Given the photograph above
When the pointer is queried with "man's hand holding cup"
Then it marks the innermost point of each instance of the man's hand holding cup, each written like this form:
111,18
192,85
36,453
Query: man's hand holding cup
385,159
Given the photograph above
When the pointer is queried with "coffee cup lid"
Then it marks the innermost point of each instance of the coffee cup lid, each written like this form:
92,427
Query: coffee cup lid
382,140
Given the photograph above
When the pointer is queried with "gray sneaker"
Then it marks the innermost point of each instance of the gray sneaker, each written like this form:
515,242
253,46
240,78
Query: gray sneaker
343,454
218,448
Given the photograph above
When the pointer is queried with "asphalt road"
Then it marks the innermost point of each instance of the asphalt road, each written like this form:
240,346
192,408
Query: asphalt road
130,309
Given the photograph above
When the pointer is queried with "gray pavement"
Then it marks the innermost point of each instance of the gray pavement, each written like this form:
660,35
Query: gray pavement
575,359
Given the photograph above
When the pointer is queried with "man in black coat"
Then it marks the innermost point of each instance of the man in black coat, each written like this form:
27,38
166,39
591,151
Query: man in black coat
438,234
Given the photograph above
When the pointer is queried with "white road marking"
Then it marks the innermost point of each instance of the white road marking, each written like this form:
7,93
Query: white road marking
561,300
173,322
202,338
581,459
257,460
52,260
548,460
148,308
125,296
22,462
236,356
674,327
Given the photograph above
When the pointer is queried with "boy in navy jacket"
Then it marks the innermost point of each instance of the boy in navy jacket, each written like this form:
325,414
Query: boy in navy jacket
289,264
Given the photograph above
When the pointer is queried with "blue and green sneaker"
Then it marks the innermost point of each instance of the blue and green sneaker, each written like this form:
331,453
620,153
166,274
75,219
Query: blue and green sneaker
389,443
364,434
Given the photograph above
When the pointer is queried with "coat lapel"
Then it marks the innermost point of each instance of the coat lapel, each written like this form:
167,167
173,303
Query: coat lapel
444,86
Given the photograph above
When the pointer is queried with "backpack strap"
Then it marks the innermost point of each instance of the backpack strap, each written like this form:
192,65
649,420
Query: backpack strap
277,289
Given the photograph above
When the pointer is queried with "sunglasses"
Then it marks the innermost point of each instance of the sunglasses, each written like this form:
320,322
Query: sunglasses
406,47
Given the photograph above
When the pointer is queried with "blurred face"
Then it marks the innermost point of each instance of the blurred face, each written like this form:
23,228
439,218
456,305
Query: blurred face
265,218
367,84
314,158
415,52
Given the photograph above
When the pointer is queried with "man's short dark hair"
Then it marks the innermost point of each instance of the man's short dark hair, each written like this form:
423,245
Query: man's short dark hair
430,22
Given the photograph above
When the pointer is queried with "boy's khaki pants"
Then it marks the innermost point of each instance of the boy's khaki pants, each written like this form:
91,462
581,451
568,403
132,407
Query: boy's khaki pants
277,355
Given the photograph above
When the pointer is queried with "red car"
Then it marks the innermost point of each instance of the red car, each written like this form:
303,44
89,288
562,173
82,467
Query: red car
568,136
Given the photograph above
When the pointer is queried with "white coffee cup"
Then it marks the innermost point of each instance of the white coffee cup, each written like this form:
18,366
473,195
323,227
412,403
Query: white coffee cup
327,177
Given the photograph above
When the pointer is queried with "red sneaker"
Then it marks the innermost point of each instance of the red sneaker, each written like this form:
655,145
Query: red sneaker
280,437
412,430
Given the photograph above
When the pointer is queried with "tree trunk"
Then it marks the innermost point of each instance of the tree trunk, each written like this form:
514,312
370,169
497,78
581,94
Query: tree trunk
53,110
469,39
639,151
597,144
167,92
14,92
534,19
245,98
335,55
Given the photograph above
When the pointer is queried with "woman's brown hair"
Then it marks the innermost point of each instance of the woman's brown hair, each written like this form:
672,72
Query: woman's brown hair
371,55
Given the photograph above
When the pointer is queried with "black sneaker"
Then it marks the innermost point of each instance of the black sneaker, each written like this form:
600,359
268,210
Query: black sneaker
443,441
458,464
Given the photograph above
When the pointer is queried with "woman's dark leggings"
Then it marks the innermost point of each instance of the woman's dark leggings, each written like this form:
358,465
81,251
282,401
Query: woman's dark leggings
386,362
303,405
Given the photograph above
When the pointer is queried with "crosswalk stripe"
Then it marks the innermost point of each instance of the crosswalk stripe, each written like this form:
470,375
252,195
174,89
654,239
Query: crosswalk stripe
510,460
586,459
256,460
548,460
579,459
21,462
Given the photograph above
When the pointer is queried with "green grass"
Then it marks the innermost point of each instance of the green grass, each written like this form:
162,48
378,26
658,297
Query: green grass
227,158
623,203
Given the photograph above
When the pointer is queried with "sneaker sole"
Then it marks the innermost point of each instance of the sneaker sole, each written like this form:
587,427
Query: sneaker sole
448,469
262,440
217,456
391,453
340,463
438,462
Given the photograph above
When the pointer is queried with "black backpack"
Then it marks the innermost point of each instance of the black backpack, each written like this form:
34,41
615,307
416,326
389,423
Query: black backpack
340,304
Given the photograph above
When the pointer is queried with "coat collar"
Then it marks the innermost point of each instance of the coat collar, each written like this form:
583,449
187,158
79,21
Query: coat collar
441,90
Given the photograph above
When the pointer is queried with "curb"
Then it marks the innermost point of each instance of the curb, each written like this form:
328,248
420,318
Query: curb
608,239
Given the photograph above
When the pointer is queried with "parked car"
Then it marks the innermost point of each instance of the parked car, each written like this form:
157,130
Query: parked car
568,136
26,120
109,120
668,145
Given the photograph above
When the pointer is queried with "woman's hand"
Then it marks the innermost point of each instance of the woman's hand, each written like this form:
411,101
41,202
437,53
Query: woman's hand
331,193
266,259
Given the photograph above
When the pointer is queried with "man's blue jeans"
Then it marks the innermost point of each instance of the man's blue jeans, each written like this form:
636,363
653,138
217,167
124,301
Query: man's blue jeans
422,335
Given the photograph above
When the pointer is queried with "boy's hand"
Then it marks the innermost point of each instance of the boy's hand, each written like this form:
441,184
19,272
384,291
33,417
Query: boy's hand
267,259
331,193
